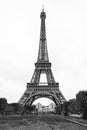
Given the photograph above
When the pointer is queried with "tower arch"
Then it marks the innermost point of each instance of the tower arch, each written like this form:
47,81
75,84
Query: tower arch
44,101
38,95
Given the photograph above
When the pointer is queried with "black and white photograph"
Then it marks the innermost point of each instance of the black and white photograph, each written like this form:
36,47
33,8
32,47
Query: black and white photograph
43,64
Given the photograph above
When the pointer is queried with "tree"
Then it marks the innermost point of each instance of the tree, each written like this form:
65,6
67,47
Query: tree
30,109
3,104
9,109
81,98
72,106
65,108
58,109
18,108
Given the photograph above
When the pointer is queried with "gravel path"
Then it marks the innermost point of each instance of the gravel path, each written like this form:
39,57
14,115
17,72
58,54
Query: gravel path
49,122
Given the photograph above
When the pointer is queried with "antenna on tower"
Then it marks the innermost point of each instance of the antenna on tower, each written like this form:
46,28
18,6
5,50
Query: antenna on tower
42,8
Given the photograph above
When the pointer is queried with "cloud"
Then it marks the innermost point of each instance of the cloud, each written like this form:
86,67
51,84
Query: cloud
11,90
66,27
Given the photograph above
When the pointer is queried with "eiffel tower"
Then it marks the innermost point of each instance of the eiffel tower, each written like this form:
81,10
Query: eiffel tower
35,89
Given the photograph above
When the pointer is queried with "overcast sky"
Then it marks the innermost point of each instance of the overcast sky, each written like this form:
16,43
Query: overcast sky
66,28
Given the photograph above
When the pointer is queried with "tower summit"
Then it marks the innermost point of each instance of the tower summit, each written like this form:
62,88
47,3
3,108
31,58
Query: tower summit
43,52
34,89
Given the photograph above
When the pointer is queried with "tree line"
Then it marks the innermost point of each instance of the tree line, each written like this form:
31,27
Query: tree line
14,108
77,106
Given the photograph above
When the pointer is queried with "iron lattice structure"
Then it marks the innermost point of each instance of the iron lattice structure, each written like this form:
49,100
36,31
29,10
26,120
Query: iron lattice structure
34,89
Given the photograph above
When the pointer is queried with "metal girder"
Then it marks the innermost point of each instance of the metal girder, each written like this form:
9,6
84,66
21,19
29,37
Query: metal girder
34,90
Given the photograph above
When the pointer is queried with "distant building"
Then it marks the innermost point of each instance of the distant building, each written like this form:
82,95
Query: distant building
45,109
39,107
52,107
